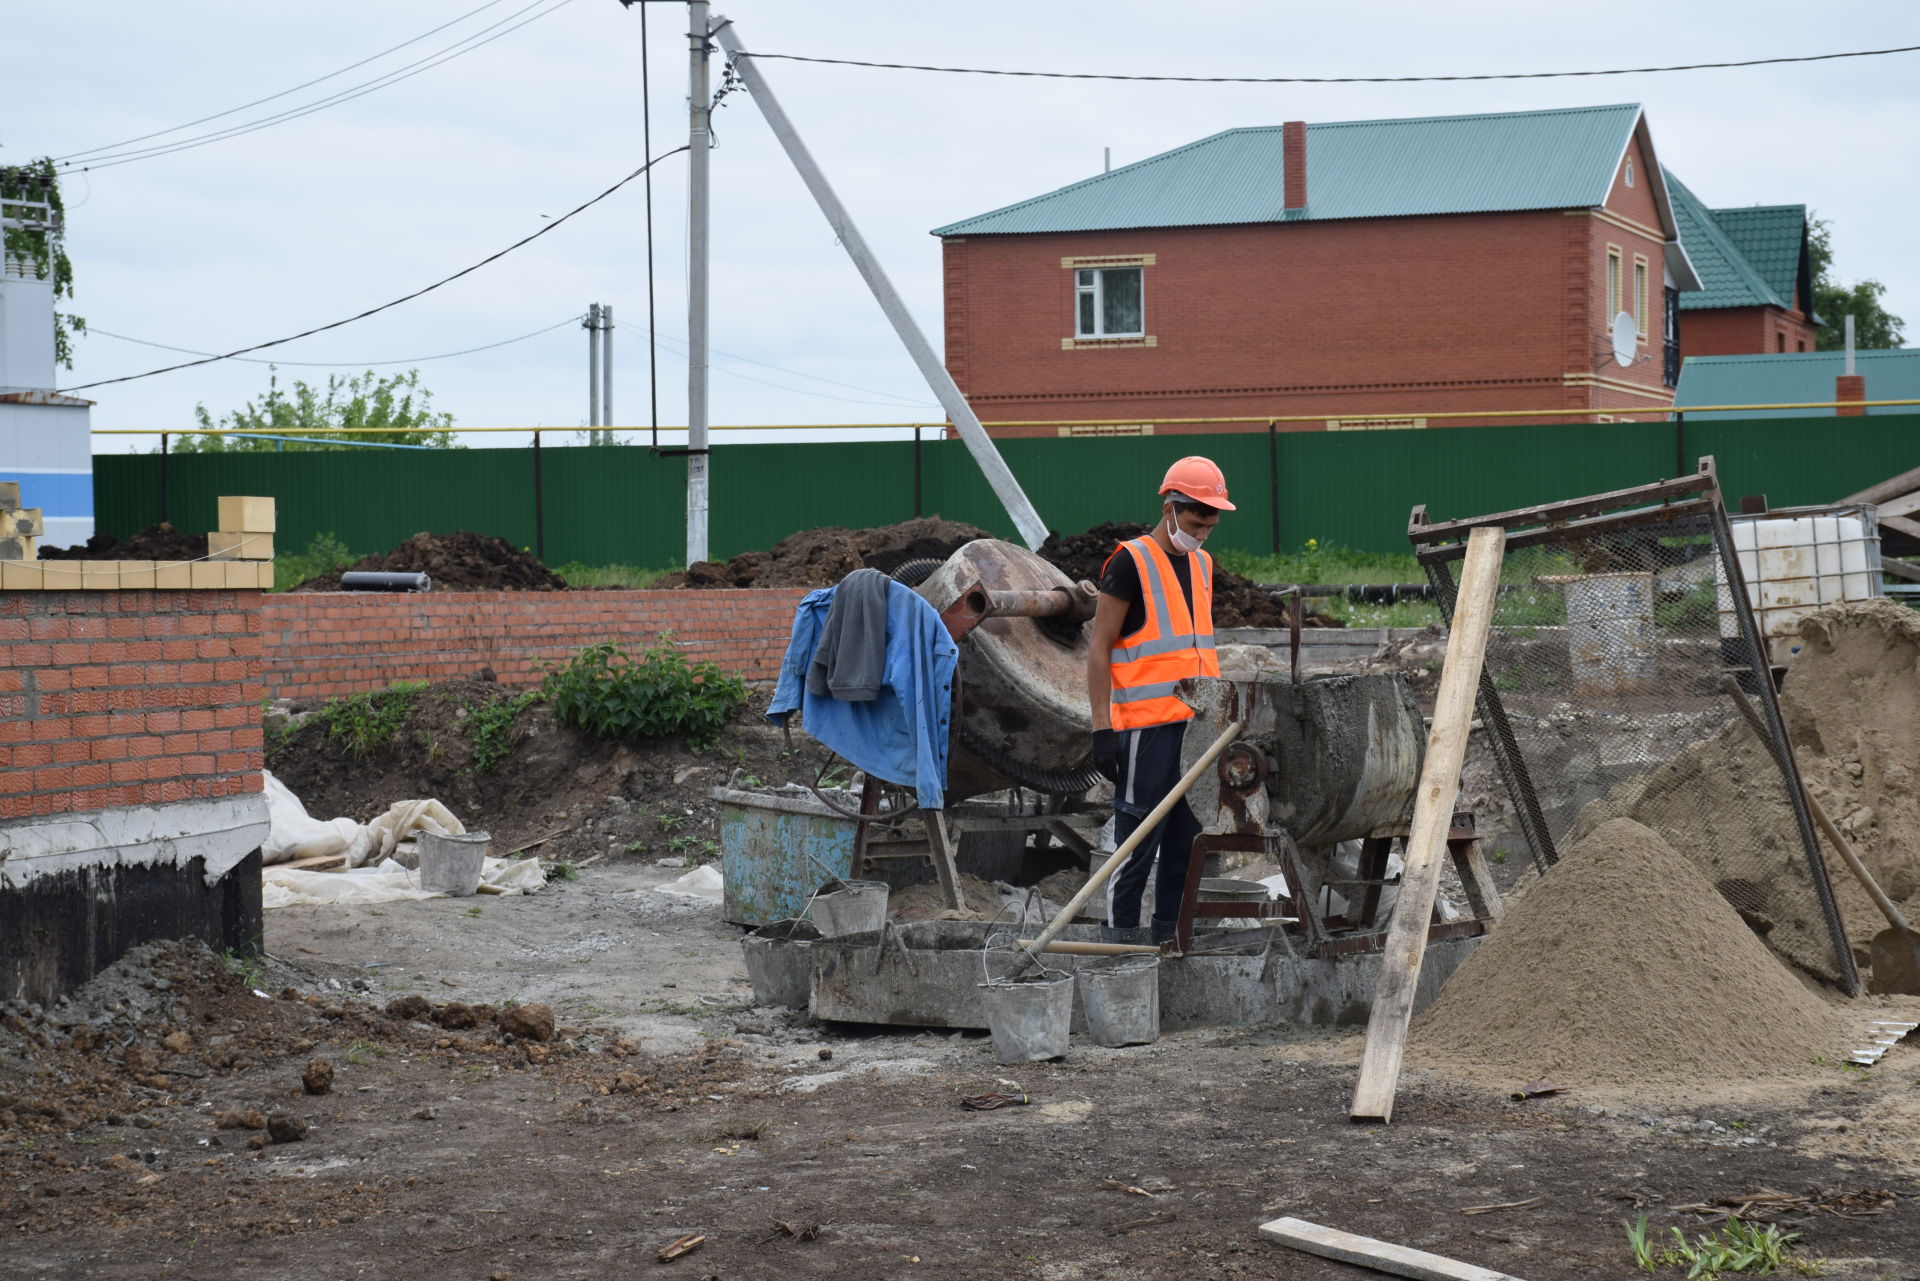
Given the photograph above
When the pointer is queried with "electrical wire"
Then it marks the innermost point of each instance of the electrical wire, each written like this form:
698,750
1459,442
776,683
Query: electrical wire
361,90
352,66
334,364
906,401
1333,80
385,306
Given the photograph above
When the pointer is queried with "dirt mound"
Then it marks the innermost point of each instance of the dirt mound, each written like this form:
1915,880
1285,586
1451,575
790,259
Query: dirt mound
1237,601
456,562
822,557
1622,967
155,542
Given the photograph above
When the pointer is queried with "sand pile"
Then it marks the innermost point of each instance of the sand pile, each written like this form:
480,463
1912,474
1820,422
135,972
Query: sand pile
1623,968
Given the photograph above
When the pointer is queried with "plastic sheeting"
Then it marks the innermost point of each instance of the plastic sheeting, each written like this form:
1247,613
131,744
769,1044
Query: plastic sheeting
385,883
293,834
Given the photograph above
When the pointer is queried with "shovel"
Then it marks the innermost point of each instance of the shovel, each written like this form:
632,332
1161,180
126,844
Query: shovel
1894,953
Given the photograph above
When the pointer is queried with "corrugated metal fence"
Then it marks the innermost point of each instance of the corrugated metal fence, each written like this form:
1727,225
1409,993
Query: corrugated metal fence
623,505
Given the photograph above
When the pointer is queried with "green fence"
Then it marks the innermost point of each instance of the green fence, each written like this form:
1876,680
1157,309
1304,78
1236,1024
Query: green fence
624,505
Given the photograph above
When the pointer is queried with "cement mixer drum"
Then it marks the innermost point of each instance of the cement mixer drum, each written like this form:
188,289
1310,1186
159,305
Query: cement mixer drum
1020,715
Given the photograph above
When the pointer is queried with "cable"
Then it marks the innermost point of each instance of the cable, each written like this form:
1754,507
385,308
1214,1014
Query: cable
1333,80
361,90
672,340
371,311
333,364
352,66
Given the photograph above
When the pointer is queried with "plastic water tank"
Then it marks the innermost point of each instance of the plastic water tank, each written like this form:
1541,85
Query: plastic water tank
1796,560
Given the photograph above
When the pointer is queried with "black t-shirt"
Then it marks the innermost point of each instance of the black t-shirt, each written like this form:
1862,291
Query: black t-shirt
1122,578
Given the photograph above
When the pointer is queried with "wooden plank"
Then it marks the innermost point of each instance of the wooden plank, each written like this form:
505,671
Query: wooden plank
1579,528
1892,487
1556,513
943,866
1364,907
1911,528
1381,1256
1071,947
1906,569
1432,817
1903,506
1476,878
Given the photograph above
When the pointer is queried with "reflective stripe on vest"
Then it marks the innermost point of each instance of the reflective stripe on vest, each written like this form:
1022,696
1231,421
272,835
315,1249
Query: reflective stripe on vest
1171,644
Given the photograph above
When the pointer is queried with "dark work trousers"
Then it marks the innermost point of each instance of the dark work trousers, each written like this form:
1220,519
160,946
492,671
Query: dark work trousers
1149,767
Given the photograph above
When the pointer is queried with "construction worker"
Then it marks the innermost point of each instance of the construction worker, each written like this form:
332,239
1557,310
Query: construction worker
1153,625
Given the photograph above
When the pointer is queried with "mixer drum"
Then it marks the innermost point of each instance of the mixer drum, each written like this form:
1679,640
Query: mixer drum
1020,715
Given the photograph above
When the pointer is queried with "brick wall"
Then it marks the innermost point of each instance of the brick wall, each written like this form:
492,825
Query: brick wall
1743,331
125,698
320,645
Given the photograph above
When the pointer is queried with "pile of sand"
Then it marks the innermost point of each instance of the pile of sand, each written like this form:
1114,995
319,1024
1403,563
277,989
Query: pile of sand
1623,968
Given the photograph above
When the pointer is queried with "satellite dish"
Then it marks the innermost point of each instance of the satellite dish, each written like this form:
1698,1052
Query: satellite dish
1626,333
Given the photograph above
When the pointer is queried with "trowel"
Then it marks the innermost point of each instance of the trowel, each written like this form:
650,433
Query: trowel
1894,953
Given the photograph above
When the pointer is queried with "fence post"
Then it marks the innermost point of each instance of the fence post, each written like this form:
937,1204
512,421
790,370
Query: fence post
163,478
539,510
1273,479
916,471
1680,467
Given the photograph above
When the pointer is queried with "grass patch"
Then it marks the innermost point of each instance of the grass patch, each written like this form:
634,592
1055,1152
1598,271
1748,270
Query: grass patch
1317,562
1733,1247
578,575
492,727
326,552
365,722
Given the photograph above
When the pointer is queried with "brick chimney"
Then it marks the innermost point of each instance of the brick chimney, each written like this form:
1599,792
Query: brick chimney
1850,387
1293,146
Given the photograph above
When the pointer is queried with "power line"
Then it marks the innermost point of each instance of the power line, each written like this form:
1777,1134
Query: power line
1333,80
783,369
352,66
385,306
332,364
361,90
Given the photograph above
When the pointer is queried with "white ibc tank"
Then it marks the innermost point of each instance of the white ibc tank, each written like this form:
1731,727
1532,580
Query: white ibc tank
1796,560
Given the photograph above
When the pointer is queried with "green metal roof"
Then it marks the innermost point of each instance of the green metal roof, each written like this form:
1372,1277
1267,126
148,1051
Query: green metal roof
1561,159
1790,378
1770,237
1728,278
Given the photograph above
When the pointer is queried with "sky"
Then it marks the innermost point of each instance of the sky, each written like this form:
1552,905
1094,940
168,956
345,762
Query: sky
320,217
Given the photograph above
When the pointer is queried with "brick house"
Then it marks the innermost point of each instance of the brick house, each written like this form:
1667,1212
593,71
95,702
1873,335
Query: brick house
1756,278
1361,274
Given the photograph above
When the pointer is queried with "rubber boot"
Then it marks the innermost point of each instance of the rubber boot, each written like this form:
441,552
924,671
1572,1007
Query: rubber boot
1123,934
1163,931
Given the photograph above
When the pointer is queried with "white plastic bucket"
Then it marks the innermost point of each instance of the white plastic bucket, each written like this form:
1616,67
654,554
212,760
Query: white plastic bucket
451,864
849,907
1121,996
1030,1017
780,962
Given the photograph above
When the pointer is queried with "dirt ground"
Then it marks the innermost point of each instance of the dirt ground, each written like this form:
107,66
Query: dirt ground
667,1105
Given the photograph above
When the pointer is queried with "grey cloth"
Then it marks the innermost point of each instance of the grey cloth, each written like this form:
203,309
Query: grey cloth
851,660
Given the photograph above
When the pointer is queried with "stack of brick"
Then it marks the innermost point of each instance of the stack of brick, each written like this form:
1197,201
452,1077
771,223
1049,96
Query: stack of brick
20,527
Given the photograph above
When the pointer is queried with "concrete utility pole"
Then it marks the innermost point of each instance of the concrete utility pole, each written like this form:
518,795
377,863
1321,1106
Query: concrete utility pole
1005,486
699,138
593,367
606,371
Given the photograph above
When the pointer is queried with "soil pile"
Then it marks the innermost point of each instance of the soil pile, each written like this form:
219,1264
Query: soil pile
1237,601
1622,967
155,542
822,557
456,562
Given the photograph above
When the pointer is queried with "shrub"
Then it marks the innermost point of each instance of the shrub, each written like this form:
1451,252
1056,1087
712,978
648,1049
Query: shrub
492,725
610,692
366,721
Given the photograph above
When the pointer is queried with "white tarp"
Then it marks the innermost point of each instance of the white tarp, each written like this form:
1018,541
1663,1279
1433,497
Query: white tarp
702,883
385,883
293,834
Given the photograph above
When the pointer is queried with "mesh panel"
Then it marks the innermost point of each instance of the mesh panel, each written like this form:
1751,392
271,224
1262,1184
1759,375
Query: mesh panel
1604,697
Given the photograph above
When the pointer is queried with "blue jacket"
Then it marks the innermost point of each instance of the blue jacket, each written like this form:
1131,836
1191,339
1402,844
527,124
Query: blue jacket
901,736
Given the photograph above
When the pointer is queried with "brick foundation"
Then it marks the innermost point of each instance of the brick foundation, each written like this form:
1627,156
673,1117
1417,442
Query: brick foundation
323,644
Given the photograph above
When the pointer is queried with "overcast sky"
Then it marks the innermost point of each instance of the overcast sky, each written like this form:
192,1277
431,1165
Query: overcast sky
308,221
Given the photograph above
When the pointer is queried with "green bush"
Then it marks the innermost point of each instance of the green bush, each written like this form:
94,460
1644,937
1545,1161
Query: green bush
492,727
366,721
657,694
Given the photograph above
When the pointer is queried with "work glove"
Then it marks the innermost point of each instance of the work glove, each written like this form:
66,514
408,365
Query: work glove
1107,754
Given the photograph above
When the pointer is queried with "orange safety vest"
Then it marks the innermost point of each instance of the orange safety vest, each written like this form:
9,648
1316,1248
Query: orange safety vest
1170,645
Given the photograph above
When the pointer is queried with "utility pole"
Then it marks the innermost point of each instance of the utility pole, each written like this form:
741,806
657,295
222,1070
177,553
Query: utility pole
593,367
699,139
1006,487
606,372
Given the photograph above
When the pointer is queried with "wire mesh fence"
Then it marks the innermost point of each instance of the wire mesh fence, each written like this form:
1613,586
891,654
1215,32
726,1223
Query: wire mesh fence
1621,645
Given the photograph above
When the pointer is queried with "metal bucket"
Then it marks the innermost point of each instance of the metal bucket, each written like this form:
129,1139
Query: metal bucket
780,963
849,907
1121,997
1029,1018
452,864
1611,644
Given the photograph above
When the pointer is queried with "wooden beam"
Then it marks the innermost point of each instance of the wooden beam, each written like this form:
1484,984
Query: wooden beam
1905,505
1900,569
1432,817
941,848
1557,513
1892,487
1381,1256
1476,878
1911,528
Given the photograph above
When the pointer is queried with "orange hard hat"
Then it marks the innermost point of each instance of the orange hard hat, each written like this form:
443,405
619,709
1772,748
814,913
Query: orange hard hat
1200,480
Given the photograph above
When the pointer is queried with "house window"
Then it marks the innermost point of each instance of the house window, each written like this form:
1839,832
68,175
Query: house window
1640,294
1780,342
1629,173
1803,344
1108,302
1613,282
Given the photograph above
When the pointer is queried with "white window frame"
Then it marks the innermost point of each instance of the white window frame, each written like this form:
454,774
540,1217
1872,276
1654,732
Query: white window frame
1642,275
1096,290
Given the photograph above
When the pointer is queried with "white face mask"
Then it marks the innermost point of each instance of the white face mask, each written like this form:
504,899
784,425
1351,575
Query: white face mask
1182,540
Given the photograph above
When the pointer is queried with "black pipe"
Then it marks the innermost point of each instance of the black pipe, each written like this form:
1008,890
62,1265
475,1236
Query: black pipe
163,478
1273,479
539,508
916,471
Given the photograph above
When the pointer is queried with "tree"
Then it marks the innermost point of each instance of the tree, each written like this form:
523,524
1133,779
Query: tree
393,403
1874,327
44,246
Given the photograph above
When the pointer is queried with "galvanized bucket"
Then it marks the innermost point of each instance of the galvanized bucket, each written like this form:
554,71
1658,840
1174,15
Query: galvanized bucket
1029,1017
849,907
780,963
452,864
1121,997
